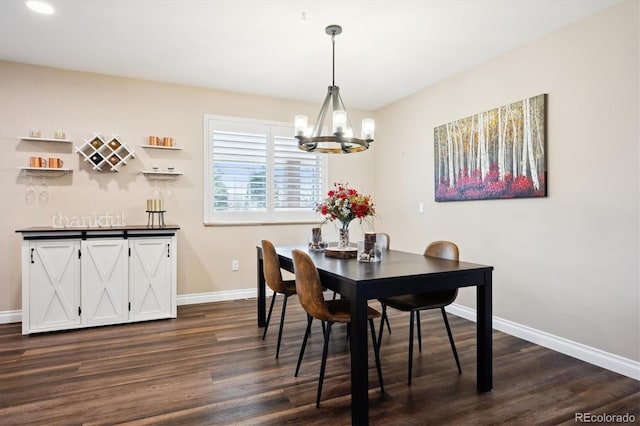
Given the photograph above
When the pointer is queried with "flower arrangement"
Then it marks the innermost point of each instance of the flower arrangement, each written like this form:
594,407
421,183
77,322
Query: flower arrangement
345,204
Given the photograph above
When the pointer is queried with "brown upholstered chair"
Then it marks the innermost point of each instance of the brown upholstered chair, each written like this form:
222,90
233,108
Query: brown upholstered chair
328,311
415,303
273,277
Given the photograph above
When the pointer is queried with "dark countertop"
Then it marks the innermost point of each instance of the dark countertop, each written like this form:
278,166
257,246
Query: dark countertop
103,229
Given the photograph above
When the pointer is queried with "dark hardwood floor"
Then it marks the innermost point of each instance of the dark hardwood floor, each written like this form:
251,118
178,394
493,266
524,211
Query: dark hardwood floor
210,366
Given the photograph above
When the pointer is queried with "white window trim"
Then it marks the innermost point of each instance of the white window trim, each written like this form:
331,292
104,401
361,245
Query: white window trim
280,218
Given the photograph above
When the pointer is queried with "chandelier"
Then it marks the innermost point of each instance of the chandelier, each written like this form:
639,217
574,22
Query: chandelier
341,140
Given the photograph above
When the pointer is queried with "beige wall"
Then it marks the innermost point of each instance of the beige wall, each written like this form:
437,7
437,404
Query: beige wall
82,103
567,264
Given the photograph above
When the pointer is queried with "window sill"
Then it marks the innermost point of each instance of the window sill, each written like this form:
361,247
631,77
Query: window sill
300,222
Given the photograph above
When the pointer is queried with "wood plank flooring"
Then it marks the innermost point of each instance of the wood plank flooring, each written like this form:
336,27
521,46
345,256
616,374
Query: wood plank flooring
211,367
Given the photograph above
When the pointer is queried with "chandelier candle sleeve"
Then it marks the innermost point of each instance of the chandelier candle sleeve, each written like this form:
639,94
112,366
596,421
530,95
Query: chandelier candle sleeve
339,121
348,132
368,129
301,124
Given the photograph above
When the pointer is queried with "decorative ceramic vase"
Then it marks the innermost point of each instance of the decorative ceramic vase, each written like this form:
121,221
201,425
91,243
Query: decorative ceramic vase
343,236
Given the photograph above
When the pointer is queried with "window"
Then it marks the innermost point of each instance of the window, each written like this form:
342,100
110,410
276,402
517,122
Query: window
255,173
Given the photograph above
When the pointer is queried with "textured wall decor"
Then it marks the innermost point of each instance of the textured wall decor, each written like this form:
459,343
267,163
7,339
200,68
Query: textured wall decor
493,154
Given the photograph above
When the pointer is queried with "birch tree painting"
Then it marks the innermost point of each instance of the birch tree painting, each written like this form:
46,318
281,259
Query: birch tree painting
493,154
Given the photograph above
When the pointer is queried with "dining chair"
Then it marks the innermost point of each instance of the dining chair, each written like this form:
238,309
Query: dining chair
384,240
312,300
273,278
414,303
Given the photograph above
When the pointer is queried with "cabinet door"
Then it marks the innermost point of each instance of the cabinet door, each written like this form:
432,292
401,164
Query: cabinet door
150,278
54,285
105,298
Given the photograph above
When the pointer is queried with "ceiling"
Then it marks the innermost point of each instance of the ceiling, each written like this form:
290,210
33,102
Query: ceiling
388,48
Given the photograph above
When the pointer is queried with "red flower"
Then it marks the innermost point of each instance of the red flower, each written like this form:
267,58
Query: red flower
345,204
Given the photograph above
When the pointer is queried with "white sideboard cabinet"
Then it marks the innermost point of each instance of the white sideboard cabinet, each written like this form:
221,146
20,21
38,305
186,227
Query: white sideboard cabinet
74,278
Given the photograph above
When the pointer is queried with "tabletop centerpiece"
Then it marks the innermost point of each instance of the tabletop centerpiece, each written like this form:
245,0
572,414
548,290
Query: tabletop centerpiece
344,204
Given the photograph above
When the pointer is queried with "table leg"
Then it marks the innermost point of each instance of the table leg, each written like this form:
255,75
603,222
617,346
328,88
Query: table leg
262,312
359,361
484,340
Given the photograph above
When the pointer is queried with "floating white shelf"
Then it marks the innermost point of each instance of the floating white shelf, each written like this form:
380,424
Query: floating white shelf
175,148
31,138
45,171
160,173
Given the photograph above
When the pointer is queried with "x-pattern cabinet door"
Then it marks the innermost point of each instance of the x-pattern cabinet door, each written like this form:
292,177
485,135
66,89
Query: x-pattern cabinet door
105,293
54,284
150,278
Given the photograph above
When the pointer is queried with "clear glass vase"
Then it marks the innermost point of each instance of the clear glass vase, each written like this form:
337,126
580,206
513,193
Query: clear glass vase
343,236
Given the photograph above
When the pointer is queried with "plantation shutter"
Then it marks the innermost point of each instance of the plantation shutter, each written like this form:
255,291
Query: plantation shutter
297,176
255,173
239,169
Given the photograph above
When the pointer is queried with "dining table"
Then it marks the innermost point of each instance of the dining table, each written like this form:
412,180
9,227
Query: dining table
397,273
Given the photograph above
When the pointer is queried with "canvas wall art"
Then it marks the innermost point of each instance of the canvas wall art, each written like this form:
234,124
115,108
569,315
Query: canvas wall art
494,154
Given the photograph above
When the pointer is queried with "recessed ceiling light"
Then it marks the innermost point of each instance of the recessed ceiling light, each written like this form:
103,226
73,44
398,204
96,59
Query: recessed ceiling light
39,6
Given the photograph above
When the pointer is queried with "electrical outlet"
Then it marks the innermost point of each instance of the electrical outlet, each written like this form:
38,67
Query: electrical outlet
235,265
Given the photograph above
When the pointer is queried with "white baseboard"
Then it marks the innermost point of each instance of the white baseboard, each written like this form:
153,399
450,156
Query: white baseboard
216,296
615,363
184,299
10,316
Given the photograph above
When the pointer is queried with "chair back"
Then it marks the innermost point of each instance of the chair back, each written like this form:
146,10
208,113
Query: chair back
443,250
271,267
308,286
384,240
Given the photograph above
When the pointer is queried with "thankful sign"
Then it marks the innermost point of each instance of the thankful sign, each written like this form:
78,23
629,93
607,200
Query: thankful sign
93,220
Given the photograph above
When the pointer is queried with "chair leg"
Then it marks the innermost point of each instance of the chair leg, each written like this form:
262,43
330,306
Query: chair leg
411,320
376,351
386,319
382,320
419,332
324,362
304,343
284,309
266,326
453,345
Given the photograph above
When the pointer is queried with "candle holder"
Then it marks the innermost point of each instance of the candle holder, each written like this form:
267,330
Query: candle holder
155,207
151,218
315,240
369,250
